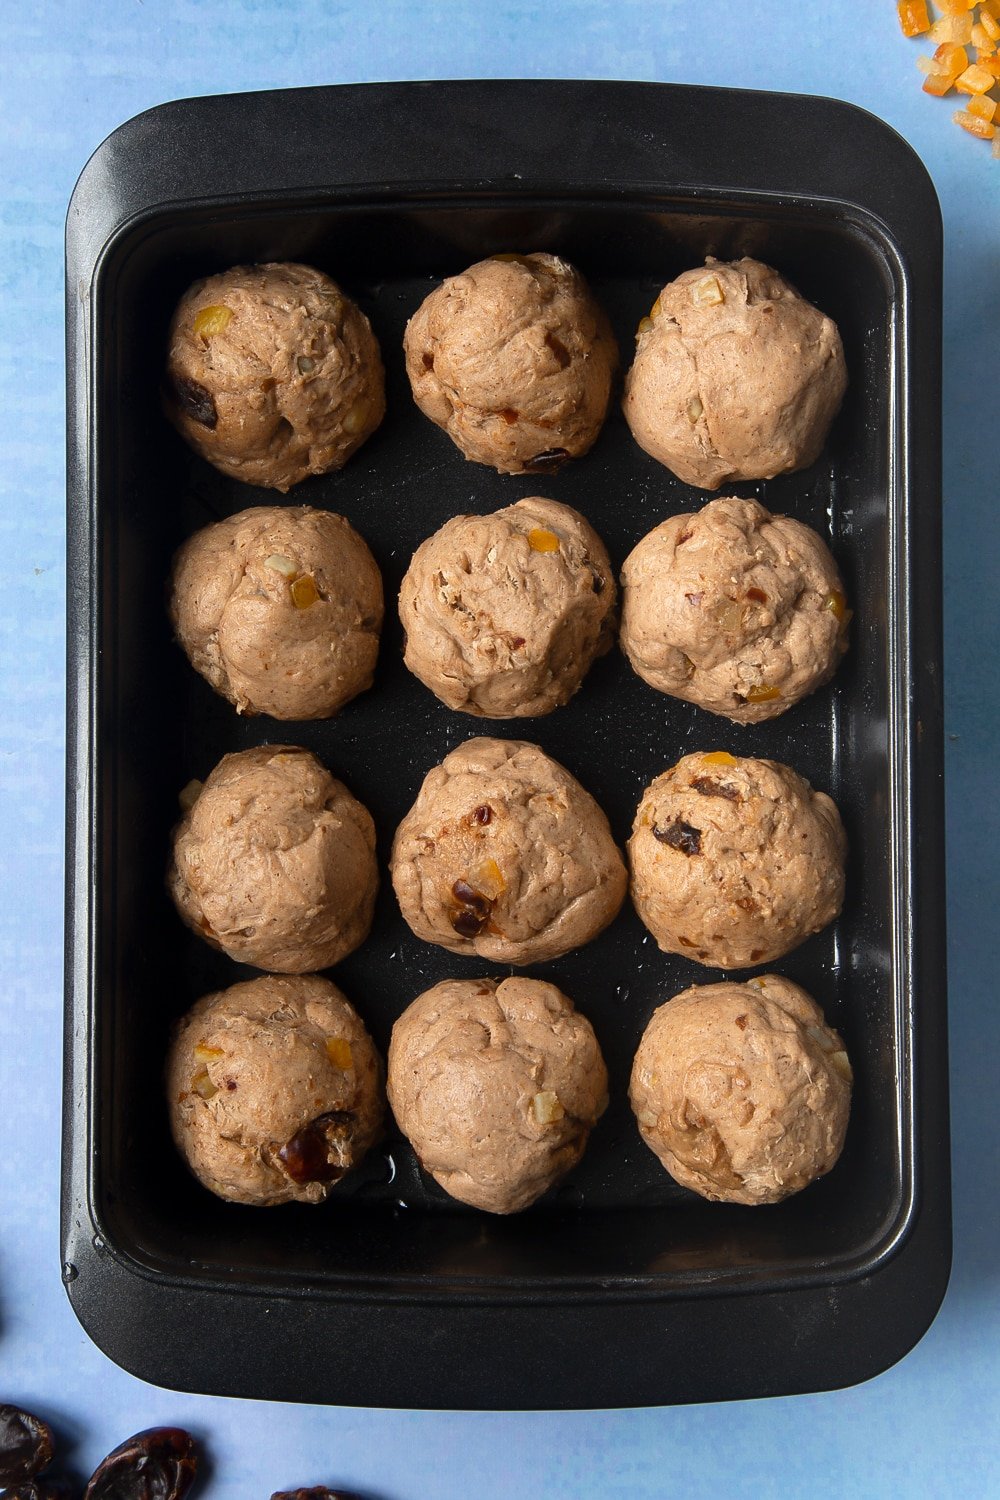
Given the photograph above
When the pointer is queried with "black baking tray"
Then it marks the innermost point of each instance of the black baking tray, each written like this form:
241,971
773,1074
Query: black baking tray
618,1288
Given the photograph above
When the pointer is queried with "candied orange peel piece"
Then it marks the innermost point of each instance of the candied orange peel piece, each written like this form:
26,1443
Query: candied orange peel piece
645,324
548,1110
540,540
836,604
913,17
204,1053
211,320
707,292
304,591
718,758
338,1050
975,80
202,1085
952,29
989,24
975,126
489,879
762,693
983,108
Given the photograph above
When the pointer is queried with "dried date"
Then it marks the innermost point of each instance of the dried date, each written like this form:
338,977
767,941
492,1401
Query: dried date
158,1464
680,836
25,1444
195,401
321,1150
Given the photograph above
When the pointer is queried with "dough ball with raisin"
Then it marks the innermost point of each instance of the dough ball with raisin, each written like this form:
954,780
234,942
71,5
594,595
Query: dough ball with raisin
736,610
505,613
735,376
504,855
274,861
275,1090
280,609
514,359
735,861
273,373
497,1086
742,1090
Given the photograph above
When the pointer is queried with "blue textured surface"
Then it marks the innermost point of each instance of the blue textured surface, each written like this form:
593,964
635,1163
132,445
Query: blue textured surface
71,72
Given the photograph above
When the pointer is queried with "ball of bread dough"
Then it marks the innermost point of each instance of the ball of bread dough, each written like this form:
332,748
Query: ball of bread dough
734,609
275,1090
497,1086
505,613
280,609
735,376
505,855
514,359
742,1090
273,373
274,861
735,861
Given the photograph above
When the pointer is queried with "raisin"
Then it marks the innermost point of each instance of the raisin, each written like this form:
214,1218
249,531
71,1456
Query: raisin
756,954
317,1492
25,1444
467,924
548,460
516,642
758,595
741,1022
194,400
482,814
558,349
158,1464
40,1489
710,788
509,415
306,1157
680,836
474,910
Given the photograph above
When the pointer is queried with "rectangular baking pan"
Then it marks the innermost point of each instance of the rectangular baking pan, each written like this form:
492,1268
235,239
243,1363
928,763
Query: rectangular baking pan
619,1288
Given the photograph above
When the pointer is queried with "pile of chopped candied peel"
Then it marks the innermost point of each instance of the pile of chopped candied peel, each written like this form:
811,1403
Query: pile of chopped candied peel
963,27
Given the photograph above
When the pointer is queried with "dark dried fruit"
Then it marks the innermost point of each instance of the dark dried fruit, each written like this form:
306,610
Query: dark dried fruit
509,415
758,595
711,788
25,1444
474,910
482,814
741,1022
158,1464
45,1488
194,400
317,1492
680,836
558,349
427,361
320,1151
548,460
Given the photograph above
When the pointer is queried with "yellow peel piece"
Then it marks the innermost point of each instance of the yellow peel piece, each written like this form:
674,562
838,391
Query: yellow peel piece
279,564
836,604
547,1107
202,1085
489,879
540,540
762,693
338,1050
304,591
707,292
211,320
205,1053
719,758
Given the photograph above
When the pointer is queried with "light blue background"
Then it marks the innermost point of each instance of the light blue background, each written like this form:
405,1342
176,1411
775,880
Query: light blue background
69,73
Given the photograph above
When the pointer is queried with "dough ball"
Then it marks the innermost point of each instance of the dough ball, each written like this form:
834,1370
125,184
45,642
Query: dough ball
504,613
514,359
735,376
275,1090
734,609
742,1090
735,861
497,1086
280,608
274,861
505,855
273,374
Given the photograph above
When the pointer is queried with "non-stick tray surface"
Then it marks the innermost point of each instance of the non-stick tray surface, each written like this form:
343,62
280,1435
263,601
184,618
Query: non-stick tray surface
618,1288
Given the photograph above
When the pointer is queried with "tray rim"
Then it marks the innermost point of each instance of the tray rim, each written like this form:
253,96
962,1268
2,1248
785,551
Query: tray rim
82,745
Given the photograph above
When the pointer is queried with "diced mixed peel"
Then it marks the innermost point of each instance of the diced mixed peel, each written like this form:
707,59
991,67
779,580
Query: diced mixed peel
961,25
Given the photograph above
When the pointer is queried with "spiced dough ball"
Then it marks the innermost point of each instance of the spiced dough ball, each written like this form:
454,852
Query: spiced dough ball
514,359
505,613
735,861
274,861
280,609
273,373
497,1086
275,1090
505,855
742,1090
734,609
735,376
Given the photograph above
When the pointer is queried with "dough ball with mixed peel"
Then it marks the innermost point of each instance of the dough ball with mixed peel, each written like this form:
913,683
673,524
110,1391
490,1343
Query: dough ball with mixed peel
275,1090
280,609
505,613
514,359
505,855
735,861
273,373
736,610
274,861
497,1086
735,376
742,1090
